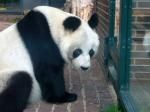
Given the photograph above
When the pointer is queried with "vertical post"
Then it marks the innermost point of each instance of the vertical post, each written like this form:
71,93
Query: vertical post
112,18
110,39
125,44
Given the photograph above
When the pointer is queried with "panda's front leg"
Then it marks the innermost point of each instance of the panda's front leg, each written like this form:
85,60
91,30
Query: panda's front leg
54,90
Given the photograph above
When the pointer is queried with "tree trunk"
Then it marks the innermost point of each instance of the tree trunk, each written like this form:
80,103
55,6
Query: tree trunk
81,8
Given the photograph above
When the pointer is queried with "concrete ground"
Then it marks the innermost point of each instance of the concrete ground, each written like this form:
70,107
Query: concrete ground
94,92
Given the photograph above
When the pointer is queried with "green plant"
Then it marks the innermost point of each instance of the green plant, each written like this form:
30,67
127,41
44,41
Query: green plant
112,108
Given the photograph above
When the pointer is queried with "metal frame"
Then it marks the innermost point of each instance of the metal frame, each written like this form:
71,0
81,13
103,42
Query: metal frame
119,70
124,52
125,43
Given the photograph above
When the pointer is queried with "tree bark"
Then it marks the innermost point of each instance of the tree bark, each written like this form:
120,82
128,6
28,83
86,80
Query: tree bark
82,8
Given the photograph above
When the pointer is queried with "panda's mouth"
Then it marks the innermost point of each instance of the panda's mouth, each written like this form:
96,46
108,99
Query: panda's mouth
84,68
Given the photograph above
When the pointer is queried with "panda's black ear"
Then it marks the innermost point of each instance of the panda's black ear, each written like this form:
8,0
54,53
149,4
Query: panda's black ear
72,23
93,21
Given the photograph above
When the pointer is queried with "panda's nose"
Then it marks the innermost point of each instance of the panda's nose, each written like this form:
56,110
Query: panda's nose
84,68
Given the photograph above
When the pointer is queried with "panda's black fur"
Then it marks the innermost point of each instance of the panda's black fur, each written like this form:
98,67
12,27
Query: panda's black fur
14,98
68,23
47,62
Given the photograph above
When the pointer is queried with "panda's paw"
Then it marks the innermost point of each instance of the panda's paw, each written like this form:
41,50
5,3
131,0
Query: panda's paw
65,98
70,97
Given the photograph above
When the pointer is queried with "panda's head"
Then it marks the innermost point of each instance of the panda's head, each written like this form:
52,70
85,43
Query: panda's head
80,41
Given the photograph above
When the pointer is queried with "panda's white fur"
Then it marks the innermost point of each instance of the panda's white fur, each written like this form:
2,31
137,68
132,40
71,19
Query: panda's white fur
15,57
146,42
12,50
70,38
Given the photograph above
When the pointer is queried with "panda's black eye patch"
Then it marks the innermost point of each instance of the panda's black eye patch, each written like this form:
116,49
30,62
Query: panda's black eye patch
76,53
91,52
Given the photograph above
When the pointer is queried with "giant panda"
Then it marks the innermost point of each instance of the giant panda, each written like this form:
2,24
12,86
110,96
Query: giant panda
33,53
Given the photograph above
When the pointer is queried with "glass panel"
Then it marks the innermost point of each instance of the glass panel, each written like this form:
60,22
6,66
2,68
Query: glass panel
140,55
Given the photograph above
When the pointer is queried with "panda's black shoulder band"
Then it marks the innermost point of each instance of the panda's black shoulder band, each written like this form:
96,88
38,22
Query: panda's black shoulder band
72,23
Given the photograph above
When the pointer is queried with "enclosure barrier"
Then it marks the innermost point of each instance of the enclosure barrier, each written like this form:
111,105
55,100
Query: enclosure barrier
122,29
